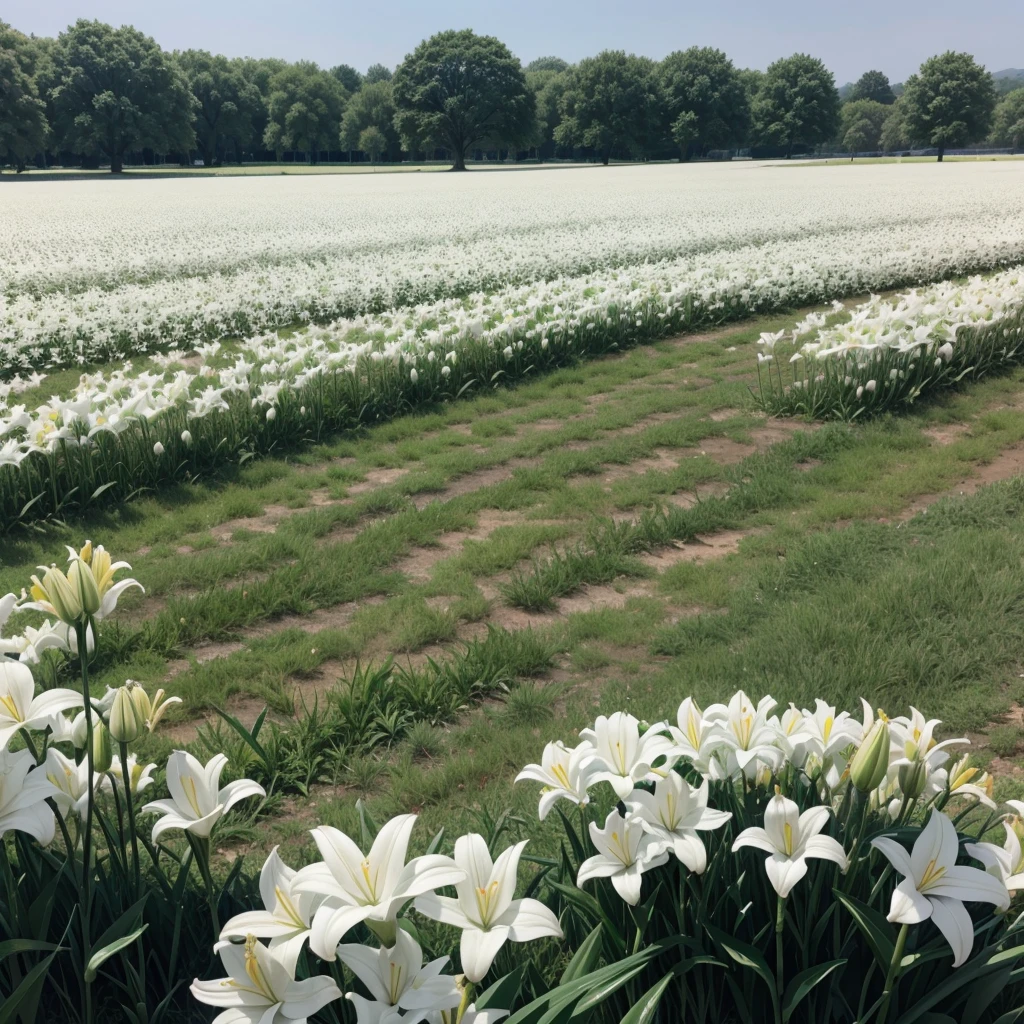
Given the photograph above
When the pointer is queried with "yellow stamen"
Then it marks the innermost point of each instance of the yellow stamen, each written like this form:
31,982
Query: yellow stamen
12,709
188,784
931,874
787,831
561,775
255,972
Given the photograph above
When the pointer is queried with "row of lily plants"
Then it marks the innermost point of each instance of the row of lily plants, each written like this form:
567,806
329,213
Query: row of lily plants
126,433
884,354
740,862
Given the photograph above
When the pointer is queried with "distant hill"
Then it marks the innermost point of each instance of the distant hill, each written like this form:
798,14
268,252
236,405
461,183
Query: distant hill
1008,79
1009,73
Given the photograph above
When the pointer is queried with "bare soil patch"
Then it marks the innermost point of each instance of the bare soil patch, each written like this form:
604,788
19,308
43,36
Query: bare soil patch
701,549
1004,466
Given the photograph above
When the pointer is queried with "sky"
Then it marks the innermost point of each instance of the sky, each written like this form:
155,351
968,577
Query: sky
893,36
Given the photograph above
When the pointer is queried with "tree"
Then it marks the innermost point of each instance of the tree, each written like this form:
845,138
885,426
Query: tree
547,64
458,89
23,124
372,107
305,107
377,73
867,117
949,102
118,91
704,99
548,87
894,129
610,103
350,79
226,103
873,85
797,103
1008,122
373,142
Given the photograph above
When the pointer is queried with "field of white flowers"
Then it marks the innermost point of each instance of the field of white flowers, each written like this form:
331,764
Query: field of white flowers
441,285
98,270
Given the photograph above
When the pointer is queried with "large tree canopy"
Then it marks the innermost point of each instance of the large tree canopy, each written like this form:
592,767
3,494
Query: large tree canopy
548,64
372,107
548,88
458,89
949,102
872,85
117,91
226,103
704,99
610,103
23,124
1008,122
377,73
350,79
304,106
797,103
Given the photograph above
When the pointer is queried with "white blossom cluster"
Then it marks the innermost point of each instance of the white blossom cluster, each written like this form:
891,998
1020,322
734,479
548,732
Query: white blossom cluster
94,273
896,764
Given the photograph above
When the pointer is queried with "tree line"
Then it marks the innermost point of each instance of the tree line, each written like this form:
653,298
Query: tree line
98,94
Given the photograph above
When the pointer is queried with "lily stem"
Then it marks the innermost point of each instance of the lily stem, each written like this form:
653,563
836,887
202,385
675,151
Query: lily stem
82,631
894,972
780,921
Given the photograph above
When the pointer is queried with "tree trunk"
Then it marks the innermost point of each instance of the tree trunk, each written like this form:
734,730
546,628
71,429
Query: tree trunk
604,157
459,163
942,150
117,163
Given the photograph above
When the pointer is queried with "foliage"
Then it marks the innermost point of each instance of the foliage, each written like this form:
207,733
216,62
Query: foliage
548,87
372,107
797,103
610,104
872,85
226,103
861,123
949,102
547,64
1008,120
373,142
350,79
23,125
377,73
305,107
895,133
704,99
459,90
117,90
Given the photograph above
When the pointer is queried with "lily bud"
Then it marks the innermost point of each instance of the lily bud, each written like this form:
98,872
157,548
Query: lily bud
869,764
56,589
913,777
102,753
84,583
125,721
79,735
86,553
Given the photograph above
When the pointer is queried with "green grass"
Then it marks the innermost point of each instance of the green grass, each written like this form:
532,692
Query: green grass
518,498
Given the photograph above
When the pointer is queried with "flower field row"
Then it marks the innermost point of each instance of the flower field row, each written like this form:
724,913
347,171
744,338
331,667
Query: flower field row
662,898
122,432
884,353
180,263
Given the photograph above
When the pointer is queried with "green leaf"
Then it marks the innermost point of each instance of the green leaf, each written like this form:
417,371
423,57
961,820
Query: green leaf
248,737
502,994
366,825
14,946
873,927
745,956
798,988
585,958
30,987
98,958
643,1011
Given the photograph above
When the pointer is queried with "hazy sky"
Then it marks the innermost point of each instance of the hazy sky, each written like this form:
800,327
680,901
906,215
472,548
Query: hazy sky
892,35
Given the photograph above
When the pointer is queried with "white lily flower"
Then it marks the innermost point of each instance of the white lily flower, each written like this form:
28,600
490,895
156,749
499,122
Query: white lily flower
471,1015
626,851
747,734
371,888
259,989
696,736
830,732
674,813
564,774
791,838
485,909
71,782
399,981
197,800
967,781
286,917
1004,862
140,777
24,790
935,886
623,757
20,708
